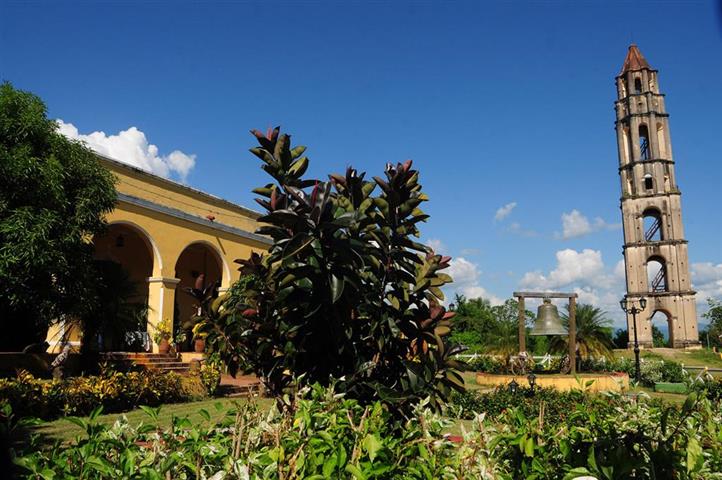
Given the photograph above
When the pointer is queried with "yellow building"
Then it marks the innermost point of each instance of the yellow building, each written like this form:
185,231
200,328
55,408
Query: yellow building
165,234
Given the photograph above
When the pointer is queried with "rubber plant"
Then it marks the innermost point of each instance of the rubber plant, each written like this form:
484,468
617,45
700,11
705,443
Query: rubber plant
345,294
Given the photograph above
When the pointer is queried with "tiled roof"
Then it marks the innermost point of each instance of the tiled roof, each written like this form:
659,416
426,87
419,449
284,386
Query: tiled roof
634,61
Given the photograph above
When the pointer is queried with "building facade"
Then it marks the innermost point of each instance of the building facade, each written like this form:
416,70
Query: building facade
655,249
164,235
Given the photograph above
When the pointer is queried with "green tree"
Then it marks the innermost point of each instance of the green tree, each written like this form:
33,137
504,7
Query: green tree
117,310
503,338
53,197
714,329
594,333
621,338
345,294
658,337
473,321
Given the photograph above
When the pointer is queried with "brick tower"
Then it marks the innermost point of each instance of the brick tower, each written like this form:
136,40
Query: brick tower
655,251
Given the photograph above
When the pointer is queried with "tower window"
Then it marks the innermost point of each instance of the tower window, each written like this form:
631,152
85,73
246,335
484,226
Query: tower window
644,153
637,85
657,275
652,220
648,183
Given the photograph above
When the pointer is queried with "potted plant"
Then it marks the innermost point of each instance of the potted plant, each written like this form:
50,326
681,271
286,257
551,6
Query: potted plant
199,342
162,336
205,295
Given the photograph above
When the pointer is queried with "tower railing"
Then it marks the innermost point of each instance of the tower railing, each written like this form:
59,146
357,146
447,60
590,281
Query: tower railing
644,149
659,283
653,229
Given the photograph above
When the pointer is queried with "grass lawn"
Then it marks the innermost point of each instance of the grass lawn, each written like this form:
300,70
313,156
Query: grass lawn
696,358
64,430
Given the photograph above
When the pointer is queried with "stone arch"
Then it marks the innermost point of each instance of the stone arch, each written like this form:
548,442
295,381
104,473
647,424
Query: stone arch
661,314
125,251
147,238
652,225
197,258
657,274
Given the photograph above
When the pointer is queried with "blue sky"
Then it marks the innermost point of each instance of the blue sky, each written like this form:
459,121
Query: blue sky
497,103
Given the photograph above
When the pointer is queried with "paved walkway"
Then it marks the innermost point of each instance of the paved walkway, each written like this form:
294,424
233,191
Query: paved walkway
241,386
240,380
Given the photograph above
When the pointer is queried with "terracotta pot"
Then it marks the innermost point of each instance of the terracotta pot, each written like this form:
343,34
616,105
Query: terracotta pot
199,346
163,346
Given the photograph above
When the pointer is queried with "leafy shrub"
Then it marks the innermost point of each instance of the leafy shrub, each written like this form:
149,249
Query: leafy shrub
708,386
487,364
115,391
331,436
470,339
210,375
328,436
557,405
651,370
672,372
345,293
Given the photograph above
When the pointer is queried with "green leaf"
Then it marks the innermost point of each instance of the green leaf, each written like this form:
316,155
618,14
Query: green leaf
355,471
372,445
329,466
529,447
299,167
337,285
694,454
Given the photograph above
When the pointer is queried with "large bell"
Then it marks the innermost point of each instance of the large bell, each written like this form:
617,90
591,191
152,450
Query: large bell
547,320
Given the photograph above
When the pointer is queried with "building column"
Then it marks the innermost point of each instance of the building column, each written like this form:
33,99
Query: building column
161,304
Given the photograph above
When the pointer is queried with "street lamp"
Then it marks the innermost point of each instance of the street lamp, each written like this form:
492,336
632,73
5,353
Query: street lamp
513,386
628,307
532,382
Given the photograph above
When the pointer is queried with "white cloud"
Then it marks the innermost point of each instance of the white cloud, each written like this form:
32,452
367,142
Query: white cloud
463,271
575,224
437,245
504,211
584,267
132,147
584,273
706,280
466,281
517,229
619,270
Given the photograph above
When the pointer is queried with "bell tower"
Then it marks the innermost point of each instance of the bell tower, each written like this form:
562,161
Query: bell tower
655,251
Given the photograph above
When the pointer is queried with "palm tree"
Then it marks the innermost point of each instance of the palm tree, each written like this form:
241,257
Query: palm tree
594,333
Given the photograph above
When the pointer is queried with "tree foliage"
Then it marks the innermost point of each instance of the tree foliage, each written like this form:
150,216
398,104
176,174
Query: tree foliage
713,332
53,197
487,328
118,310
345,292
593,336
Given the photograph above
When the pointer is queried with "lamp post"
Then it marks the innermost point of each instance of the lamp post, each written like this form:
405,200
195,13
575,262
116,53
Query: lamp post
629,307
513,386
532,382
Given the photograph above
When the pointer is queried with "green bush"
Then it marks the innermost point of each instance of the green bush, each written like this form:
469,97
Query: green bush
487,364
210,375
114,391
346,293
557,405
707,386
331,436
